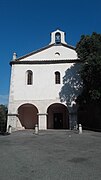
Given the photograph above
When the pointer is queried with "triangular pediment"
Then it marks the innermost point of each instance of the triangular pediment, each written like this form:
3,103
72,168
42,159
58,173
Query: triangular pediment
51,52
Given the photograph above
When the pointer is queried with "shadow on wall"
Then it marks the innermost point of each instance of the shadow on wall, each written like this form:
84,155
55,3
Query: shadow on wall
72,84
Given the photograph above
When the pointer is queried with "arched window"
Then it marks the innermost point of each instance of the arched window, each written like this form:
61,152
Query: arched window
29,77
57,38
57,77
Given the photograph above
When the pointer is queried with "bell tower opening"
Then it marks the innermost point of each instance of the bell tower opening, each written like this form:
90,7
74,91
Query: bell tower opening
57,38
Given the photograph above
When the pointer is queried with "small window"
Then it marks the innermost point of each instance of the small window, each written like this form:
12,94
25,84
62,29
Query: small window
57,77
57,38
29,77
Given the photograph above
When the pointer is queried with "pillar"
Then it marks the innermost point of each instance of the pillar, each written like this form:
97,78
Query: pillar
42,121
14,122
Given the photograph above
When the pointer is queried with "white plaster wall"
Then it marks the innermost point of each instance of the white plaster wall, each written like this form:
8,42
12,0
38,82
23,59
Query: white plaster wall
43,92
44,87
50,54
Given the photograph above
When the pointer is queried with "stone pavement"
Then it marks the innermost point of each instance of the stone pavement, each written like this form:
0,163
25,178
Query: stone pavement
51,155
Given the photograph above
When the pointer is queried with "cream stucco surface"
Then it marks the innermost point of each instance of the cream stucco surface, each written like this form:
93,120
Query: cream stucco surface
43,91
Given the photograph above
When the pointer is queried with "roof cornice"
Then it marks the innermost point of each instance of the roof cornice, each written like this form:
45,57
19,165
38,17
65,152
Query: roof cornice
47,61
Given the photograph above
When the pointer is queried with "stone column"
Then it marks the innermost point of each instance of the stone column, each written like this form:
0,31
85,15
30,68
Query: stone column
12,121
42,121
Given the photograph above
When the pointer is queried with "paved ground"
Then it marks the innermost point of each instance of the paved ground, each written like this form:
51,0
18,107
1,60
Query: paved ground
51,155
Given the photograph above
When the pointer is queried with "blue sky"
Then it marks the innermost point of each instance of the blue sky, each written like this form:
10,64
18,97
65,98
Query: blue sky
25,25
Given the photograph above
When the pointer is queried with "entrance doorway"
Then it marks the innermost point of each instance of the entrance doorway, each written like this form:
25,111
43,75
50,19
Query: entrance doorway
58,121
27,114
58,117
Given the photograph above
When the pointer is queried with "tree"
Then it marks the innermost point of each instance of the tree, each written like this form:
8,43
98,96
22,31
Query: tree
3,117
89,52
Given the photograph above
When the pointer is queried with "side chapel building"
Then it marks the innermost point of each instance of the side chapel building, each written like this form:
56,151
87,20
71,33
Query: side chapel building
36,80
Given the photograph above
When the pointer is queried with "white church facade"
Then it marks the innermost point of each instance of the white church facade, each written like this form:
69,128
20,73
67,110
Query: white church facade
36,81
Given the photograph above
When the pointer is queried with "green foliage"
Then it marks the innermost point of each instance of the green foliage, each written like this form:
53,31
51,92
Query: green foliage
89,46
89,51
3,117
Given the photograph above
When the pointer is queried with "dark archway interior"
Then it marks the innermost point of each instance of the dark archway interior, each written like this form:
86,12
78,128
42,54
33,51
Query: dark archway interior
27,114
58,117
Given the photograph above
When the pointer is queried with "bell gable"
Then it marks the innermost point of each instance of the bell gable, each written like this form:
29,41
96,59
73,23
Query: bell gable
57,50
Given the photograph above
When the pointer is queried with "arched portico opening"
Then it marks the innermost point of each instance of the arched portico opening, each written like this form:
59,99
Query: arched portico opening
58,116
27,114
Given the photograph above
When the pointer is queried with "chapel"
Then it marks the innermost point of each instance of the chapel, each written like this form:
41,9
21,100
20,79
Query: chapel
35,85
